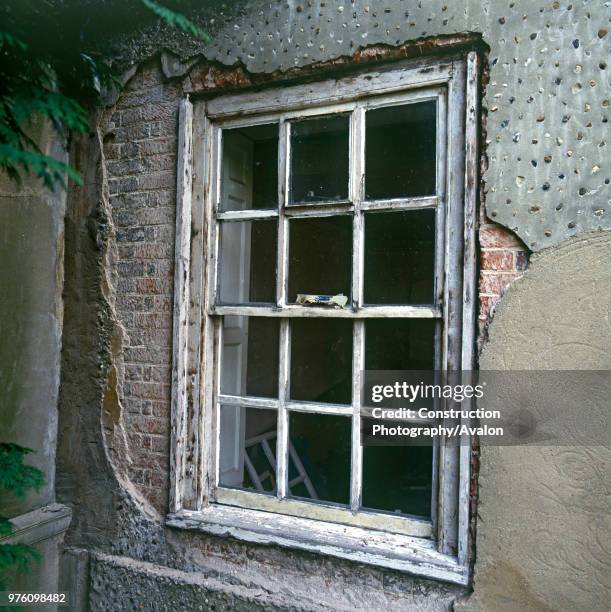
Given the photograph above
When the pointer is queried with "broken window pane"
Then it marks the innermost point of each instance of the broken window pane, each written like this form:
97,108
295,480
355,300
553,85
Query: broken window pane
321,360
249,175
398,479
320,256
400,344
400,257
247,270
319,451
400,151
319,159
249,361
247,454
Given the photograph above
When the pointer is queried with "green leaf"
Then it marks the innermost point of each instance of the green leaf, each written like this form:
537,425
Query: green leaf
16,556
54,105
8,40
6,527
177,20
14,475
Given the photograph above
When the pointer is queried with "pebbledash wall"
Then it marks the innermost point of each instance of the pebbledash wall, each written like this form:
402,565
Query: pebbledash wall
544,182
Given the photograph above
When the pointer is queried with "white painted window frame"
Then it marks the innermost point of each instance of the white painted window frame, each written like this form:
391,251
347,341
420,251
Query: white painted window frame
438,548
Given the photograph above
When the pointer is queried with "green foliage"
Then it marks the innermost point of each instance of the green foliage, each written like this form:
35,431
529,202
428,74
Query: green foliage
27,91
176,20
46,66
14,475
18,479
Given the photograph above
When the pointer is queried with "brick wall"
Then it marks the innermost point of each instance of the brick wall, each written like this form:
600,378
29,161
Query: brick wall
503,258
140,141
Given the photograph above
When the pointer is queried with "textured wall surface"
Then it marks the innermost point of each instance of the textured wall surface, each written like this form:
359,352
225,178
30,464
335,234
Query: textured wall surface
542,541
120,238
140,140
31,281
298,585
31,312
547,100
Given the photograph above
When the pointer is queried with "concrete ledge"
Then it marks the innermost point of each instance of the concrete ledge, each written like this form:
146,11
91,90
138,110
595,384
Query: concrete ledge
39,525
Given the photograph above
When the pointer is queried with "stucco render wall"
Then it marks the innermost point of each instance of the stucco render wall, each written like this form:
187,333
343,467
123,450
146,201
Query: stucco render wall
543,530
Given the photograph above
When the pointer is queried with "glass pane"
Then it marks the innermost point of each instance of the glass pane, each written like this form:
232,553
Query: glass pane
249,363
400,151
249,174
400,257
247,267
247,452
399,344
320,256
319,466
321,360
406,488
319,159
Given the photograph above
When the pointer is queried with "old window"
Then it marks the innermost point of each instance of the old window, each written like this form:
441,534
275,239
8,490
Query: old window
355,189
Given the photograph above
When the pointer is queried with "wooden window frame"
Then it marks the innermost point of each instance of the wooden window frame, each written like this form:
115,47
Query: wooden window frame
438,548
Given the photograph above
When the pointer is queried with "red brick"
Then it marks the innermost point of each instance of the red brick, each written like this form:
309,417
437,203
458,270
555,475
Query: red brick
148,285
497,260
496,236
495,284
486,304
147,390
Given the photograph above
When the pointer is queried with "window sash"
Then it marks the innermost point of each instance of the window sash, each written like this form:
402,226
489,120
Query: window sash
356,205
195,363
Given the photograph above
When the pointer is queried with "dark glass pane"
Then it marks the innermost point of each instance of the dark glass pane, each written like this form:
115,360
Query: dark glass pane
247,452
319,466
249,176
247,269
249,364
399,344
321,360
400,151
320,256
398,479
400,257
319,159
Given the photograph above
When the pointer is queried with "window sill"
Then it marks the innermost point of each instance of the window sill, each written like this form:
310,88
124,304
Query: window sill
400,552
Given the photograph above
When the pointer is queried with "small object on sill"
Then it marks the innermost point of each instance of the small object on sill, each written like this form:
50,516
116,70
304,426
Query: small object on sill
333,301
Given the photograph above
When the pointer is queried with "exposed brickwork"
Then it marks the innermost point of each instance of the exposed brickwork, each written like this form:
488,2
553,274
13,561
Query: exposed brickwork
140,141
503,258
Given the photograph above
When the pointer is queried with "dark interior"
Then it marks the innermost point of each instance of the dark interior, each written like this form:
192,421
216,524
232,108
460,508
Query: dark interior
320,256
400,344
321,360
263,356
319,159
400,148
398,479
400,257
322,443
